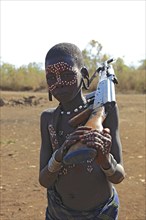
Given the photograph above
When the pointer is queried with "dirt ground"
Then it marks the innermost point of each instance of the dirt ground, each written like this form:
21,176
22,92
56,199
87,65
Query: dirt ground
22,198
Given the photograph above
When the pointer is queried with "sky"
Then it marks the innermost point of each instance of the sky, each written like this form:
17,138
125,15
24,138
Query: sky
30,28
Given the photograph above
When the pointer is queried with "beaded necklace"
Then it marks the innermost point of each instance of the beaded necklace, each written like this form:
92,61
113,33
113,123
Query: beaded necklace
77,109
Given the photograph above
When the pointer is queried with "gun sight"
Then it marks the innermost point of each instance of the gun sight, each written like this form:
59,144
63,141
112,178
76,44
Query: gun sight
110,60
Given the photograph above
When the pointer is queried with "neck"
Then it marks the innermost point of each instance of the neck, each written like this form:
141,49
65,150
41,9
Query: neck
78,100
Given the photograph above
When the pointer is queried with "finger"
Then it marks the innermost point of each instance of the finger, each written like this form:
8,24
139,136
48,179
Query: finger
87,128
106,130
95,145
80,132
96,133
102,150
77,137
105,139
72,139
107,136
99,140
91,137
69,143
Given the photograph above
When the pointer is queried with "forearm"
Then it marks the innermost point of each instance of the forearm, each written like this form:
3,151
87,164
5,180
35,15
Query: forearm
47,178
114,172
118,176
49,173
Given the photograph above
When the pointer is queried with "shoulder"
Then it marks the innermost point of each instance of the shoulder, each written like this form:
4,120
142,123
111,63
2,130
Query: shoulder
48,111
111,109
112,118
46,114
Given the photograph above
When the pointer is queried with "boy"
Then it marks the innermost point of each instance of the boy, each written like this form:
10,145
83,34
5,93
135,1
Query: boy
84,190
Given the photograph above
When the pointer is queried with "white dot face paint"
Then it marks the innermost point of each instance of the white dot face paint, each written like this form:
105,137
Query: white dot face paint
60,73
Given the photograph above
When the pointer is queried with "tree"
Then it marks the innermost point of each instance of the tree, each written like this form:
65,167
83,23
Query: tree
92,55
120,66
143,65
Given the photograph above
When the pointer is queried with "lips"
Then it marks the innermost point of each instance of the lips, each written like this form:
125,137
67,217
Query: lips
61,91
61,94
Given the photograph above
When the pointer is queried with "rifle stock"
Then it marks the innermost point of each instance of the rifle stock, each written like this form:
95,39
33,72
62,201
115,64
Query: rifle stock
80,152
81,117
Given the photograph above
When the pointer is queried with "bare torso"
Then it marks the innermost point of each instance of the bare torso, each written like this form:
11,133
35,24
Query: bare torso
83,186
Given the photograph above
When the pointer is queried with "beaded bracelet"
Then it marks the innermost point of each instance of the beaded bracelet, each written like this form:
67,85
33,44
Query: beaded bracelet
112,169
54,165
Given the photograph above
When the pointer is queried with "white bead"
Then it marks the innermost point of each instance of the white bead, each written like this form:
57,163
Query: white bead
76,110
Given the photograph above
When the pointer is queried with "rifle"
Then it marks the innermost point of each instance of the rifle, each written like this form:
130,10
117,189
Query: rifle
95,114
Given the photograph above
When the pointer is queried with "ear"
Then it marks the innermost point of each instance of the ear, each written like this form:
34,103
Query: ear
49,95
85,75
84,72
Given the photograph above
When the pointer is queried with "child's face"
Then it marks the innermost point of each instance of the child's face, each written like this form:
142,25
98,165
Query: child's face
63,80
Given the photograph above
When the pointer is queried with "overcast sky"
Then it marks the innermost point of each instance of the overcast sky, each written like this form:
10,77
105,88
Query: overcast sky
30,28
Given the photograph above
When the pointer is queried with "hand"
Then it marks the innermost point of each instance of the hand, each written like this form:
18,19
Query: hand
101,141
104,150
70,140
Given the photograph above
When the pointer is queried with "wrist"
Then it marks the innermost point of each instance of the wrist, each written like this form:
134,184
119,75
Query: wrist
53,164
106,164
112,166
58,156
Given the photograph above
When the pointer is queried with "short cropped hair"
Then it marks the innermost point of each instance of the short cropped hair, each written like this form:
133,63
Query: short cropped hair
62,50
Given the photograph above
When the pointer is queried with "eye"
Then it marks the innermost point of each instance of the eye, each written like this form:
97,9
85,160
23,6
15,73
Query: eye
67,75
51,78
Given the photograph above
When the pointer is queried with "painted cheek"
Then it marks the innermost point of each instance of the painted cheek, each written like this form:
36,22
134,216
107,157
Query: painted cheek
52,87
57,82
60,82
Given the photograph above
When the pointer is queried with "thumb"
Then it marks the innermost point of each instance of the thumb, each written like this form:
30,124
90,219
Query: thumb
106,130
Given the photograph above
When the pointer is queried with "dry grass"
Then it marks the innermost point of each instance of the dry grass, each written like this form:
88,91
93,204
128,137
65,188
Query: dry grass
21,195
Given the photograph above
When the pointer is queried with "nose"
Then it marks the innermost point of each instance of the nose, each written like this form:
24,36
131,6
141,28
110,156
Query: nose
59,81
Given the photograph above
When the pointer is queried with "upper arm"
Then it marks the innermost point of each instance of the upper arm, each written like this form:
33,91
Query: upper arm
112,122
46,147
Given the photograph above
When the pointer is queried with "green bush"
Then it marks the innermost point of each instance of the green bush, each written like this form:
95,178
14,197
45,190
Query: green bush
32,77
